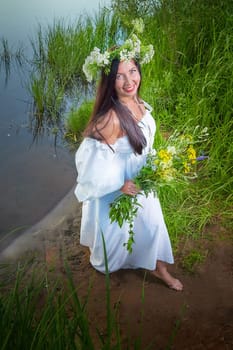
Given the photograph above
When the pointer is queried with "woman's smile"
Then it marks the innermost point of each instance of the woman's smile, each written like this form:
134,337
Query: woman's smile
129,89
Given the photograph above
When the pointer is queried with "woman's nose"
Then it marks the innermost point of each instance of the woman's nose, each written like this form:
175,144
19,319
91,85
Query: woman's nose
127,79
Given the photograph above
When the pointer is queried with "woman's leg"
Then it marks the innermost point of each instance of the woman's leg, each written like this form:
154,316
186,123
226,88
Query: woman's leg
162,273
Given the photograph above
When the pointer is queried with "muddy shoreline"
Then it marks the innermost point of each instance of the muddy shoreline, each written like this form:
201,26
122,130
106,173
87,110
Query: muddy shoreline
50,228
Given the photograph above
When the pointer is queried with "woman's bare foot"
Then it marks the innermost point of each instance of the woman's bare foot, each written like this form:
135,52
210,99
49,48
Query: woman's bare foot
162,273
170,281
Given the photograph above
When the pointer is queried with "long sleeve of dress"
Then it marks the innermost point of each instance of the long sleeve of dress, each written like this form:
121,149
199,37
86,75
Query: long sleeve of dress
100,170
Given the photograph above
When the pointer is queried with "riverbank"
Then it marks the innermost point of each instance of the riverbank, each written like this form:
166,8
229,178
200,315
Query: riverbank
47,231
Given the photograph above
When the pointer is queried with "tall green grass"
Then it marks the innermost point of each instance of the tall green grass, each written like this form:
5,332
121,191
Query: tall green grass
189,83
59,52
43,312
35,315
76,122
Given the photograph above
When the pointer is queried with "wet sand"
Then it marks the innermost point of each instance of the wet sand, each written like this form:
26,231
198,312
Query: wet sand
49,229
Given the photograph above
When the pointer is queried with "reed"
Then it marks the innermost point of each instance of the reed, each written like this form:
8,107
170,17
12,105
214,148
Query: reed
59,52
43,312
37,315
6,54
76,122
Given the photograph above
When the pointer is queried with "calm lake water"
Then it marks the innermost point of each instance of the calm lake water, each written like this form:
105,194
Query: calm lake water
34,177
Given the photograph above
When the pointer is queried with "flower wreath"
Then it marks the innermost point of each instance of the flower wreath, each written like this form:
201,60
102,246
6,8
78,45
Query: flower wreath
130,49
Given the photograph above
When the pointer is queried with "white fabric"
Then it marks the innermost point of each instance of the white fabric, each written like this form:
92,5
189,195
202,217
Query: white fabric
101,173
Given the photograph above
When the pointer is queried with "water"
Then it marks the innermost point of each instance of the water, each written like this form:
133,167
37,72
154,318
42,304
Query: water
34,177
18,19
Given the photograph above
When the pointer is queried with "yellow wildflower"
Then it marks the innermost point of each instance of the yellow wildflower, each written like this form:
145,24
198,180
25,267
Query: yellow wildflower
186,167
164,155
191,154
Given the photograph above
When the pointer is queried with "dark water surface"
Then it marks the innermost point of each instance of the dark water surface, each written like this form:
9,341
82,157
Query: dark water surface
34,177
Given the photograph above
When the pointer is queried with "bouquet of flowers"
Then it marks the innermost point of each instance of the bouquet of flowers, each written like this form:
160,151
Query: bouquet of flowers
175,161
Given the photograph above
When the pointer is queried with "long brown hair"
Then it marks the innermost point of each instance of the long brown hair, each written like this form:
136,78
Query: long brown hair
107,99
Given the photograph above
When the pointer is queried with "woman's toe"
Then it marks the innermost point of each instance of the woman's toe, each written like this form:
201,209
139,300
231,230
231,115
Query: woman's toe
176,285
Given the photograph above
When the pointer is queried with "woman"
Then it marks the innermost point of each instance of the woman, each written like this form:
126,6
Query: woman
116,142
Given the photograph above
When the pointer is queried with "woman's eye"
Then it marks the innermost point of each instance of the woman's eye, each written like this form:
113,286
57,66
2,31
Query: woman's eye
132,71
118,76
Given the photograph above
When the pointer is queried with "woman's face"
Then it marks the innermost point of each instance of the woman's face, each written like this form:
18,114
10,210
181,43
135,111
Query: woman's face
127,79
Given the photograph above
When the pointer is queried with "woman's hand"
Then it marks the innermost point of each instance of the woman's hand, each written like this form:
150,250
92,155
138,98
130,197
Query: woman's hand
130,188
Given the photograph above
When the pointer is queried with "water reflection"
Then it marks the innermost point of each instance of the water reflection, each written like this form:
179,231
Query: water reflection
33,176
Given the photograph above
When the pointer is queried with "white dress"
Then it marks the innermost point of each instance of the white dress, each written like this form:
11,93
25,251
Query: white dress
101,173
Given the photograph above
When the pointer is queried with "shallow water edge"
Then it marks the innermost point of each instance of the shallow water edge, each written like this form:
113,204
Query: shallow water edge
49,228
